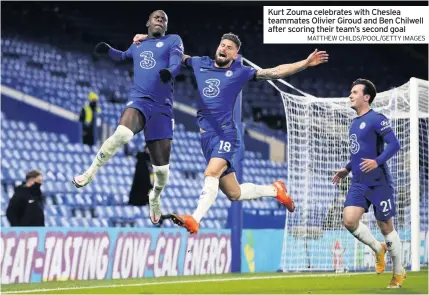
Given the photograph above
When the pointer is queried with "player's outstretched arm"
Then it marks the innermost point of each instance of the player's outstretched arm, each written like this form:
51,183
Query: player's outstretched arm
282,71
118,55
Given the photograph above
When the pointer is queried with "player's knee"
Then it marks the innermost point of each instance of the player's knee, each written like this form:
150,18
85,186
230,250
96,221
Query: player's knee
160,151
234,195
122,135
385,231
350,223
162,174
212,173
386,227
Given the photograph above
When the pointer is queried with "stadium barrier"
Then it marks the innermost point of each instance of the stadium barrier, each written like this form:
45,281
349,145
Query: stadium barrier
33,255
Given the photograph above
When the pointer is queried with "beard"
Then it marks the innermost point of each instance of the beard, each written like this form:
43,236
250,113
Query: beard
157,32
222,63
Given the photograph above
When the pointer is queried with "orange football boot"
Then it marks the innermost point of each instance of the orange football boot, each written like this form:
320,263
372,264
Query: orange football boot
380,262
186,221
397,280
282,195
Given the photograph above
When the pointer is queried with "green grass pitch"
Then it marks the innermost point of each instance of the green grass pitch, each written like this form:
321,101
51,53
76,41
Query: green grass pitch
261,283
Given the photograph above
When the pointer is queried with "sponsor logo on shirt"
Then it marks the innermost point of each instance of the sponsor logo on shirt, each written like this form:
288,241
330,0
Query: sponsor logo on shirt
385,124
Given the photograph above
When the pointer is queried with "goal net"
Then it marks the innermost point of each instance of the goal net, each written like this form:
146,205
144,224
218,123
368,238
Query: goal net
317,134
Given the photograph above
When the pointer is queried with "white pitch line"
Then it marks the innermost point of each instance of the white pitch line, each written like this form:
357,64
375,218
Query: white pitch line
182,282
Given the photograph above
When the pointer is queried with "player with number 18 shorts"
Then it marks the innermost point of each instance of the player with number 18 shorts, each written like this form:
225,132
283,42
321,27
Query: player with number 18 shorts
219,82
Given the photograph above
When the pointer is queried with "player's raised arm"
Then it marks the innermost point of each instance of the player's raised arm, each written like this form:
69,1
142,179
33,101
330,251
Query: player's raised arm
282,71
115,54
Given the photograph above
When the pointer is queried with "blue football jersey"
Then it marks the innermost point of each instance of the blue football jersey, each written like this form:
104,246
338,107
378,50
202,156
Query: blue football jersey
218,89
151,56
366,142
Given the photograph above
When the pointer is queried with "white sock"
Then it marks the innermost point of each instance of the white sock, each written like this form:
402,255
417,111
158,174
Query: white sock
161,178
121,136
363,234
207,197
394,246
250,191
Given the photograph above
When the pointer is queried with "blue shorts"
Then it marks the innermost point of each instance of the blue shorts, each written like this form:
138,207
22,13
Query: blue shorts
159,118
225,146
381,197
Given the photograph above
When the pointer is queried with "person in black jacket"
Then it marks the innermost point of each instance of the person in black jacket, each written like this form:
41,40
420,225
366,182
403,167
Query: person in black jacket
143,179
26,205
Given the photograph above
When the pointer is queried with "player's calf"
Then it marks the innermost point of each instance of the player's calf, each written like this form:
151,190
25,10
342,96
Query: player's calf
207,197
162,174
361,232
249,191
121,136
210,189
393,244
352,215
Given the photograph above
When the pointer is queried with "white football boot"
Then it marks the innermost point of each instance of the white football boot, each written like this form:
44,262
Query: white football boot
82,180
155,207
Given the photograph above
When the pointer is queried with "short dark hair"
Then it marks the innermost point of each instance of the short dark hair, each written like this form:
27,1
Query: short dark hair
159,10
232,37
32,174
369,88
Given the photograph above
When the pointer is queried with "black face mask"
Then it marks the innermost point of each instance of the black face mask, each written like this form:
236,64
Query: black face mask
93,104
35,189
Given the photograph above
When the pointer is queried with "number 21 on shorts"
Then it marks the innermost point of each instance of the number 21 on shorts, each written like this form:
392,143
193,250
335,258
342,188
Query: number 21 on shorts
387,206
225,146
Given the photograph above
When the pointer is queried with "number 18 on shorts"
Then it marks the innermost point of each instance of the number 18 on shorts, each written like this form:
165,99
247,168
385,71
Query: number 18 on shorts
223,146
